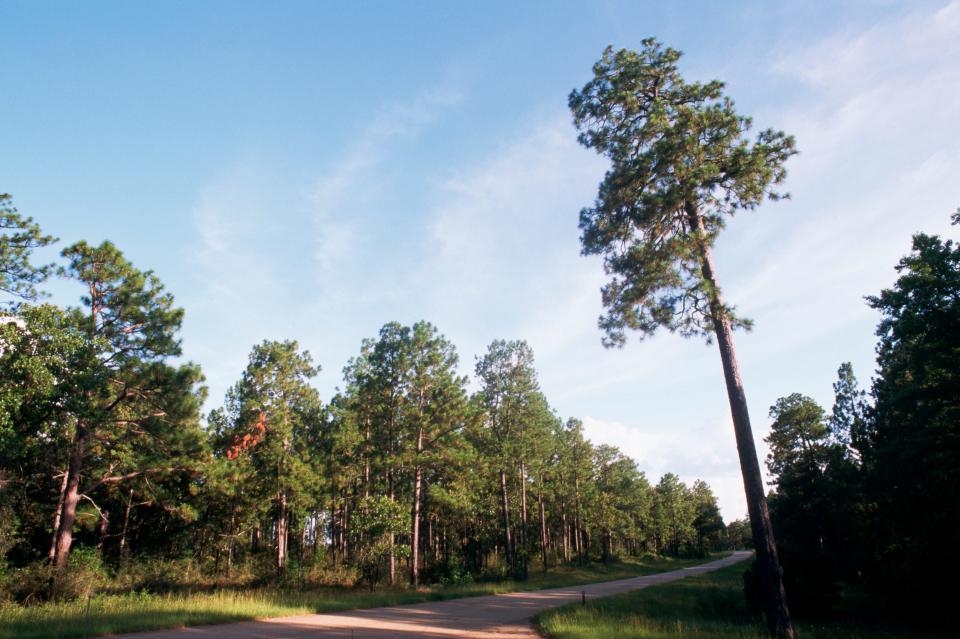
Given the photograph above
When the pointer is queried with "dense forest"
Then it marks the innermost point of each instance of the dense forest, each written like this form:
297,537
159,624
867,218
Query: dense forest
403,476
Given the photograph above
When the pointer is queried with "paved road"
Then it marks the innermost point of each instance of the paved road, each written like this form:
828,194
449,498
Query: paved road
490,617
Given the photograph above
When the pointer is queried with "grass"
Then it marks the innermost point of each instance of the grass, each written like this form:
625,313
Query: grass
131,612
707,606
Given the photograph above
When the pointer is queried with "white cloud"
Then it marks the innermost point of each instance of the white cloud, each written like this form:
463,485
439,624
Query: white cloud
339,194
502,254
880,149
705,450
230,216
260,276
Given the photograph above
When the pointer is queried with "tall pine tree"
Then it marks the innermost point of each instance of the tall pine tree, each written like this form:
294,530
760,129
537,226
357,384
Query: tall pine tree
681,165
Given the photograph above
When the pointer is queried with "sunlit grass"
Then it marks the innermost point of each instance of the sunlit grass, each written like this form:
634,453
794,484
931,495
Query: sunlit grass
130,612
710,606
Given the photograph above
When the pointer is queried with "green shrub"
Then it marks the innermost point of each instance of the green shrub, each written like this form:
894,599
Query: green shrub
28,585
82,577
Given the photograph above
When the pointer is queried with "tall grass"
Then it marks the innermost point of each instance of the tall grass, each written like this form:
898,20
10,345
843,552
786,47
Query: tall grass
134,611
710,606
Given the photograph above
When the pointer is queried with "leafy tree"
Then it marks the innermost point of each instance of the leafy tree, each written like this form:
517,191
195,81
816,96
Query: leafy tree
436,398
681,164
389,369
38,400
739,535
848,419
382,519
541,449
621,497
673,514
509,385
134,414
707,522
273,415
800,454
20,236
799,437
911,450
576,458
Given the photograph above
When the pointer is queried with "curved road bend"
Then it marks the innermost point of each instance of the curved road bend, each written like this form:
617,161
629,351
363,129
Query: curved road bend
507,616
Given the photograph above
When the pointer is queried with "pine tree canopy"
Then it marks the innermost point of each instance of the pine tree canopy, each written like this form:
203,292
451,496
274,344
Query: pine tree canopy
677,149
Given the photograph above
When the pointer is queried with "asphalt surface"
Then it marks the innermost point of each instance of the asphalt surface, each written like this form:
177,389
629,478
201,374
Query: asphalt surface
507,616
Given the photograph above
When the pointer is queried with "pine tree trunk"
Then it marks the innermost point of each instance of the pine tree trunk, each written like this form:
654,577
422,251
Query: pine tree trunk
415,528
505,506
768,564
126,525
432,545
543,522
103,524
282,527
392,560
366,461
71,498
233,526
578,532
524,521
56,517
347,513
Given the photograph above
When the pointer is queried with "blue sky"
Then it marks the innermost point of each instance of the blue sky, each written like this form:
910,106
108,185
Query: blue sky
309,170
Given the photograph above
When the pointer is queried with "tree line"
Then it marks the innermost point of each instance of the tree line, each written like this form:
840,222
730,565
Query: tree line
865,495
404,475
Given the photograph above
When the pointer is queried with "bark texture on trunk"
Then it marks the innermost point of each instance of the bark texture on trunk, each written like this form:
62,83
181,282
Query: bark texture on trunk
255,539
282,527
415,509
505,506
524,521
770,574
578,527
543,522
415,528
56,517
71,497
233,526
392,560
103,526
126,524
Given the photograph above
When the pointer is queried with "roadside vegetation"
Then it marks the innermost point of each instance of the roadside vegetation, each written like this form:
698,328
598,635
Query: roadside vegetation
710,606
105,613
113,481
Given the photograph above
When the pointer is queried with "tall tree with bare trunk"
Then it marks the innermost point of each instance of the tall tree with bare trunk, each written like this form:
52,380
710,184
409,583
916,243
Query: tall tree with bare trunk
681,165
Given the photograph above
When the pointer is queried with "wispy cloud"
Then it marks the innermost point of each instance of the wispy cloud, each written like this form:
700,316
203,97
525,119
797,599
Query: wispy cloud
703,450
502,255
880,149
258,273
337,195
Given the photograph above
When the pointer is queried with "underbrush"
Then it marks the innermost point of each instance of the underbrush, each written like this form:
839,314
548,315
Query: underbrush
710,606
173,602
